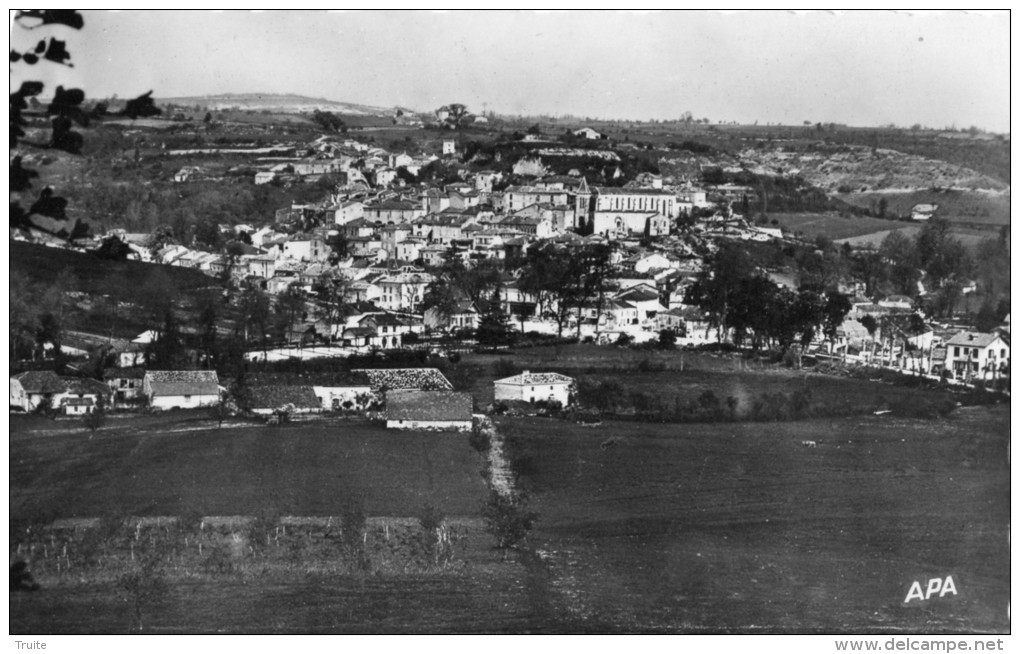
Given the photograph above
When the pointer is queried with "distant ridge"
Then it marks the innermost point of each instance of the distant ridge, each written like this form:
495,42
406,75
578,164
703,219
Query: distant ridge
280,102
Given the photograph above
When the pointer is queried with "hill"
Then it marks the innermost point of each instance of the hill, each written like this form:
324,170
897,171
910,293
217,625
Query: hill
285,103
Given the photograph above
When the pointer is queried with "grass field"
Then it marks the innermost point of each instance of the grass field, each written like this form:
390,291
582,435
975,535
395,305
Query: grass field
733,527
721,527
169,464
955,206
810,225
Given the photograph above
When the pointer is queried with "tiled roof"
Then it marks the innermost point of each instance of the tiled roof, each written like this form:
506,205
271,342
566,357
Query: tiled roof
85,386
613,190
124,373
182,382
76,401
536,378
275,397
424,379
40,381
639,295
428,405
972,339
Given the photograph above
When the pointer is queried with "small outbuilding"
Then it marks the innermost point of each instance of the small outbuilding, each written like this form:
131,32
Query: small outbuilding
535,387
444,410
267,400
181,389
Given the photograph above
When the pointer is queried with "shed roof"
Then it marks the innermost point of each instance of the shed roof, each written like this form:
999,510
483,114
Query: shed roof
40,381
428,405
182,382
536,378
275,397
425,379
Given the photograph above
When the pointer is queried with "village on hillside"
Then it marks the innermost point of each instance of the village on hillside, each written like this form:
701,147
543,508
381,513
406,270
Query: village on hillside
285,364
379,264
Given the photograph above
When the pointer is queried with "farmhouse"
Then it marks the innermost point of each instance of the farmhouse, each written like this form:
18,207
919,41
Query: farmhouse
181,389
535,387
923,211
125,383
266,400
589,133
32,388
72,396
975,354
409,409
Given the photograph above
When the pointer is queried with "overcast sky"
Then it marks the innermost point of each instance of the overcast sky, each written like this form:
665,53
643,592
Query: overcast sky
858,68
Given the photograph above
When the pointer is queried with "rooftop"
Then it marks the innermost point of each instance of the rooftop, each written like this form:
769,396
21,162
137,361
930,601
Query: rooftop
275,397
527,378
428,405
423,379
973,339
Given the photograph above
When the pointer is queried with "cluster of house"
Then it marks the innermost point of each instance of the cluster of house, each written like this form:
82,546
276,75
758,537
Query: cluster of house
393,235
902,338
413,398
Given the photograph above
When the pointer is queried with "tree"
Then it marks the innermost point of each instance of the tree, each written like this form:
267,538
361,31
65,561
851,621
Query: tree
551,276
254,307
900,254
441,298
457,116
837,306
94,420
870,268
167,351
113,249
941,256
290,306
208,306
507,518
65,111
220,413
161,237
23,315
494,328
329,121
667,339
331,290
717,283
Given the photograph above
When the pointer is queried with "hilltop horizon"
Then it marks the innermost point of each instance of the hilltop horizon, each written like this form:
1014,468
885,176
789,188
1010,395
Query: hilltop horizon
291,98
938,69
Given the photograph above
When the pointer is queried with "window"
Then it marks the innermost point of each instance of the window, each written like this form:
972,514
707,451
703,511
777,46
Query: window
956,351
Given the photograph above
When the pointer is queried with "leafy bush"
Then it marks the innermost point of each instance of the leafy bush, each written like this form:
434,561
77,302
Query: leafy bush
508,519
479,439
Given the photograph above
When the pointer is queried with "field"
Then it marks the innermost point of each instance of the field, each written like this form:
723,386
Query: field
179,462
740,527
972,208
811,225
730,527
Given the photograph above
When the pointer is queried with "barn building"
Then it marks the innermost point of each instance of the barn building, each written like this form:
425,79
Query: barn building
181,389
445,410
535,387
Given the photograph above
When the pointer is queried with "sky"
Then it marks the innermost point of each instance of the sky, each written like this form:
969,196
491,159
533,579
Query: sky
938,69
